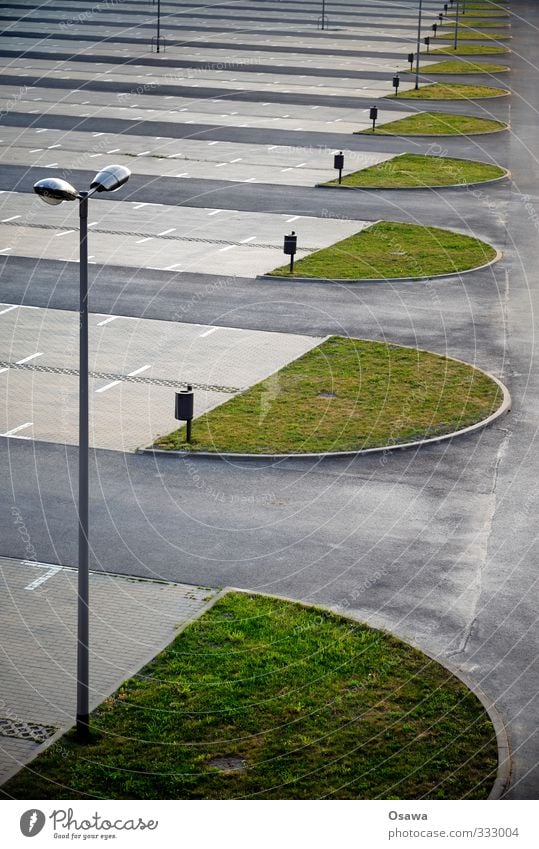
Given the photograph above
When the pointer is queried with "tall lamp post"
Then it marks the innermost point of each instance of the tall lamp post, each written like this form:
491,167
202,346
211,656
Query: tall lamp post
418,43
456,44
54,191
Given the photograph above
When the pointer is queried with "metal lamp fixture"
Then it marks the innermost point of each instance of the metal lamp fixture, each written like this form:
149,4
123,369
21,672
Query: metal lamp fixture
54,191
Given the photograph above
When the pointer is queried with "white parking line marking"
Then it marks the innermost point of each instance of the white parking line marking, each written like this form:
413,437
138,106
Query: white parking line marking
140,205
249,239
208,332
226,248
27,359
215,212
8,309
16,429
166,232
172,267
108,386
294,218
13,217
138,370
114,150
2,370
141,241
108,320
65,233
5,249
52,571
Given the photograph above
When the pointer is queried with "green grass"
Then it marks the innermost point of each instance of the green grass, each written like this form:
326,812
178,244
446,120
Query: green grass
473,35
449,91
414,170
468,50
391,249
438,124
346,395
475,23
460,67
312,705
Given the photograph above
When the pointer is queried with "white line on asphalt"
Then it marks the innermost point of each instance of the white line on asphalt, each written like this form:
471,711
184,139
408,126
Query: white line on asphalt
13,217
220,164
52,146
27,359
172,267
36,150
185,174
8,309
108,386
5,249
166,232
108,320
92,223
140,205
65,233
208,332
249,239
212,142
235,160
141,241
138,370
16,429
215,212
294,218
2,370
114,150
173,155
226,248
144,152
52,571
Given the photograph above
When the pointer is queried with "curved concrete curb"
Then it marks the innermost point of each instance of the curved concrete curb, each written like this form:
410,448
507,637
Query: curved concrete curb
422,188
272,278
504,93
434,135
503,773
504,408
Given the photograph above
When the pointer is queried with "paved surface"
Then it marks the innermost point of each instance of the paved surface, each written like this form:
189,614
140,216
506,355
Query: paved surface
135,369
438,545
130,621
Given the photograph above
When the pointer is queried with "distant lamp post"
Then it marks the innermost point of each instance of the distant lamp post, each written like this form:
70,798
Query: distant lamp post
322,19
54,191
157,39
396,84
419,14
373,115
456,42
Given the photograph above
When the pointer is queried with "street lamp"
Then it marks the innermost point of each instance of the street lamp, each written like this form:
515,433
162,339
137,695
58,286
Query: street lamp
419,13
456,43
54,191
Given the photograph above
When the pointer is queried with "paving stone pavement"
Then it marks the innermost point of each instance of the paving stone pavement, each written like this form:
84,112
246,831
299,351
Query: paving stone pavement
131,620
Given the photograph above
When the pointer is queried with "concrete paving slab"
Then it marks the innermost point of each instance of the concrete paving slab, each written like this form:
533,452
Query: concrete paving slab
156,236
130,622
136,366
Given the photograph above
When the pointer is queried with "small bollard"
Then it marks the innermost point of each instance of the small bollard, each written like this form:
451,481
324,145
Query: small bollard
290,247
183,410
434,28
441,17
427,42
338,164
396,84
411,61
373,115
446,7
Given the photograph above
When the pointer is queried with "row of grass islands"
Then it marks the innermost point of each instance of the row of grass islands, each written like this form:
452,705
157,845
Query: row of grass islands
342,710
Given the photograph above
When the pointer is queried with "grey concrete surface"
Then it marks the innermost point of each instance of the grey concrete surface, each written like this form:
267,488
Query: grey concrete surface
130,621
135,368
437,545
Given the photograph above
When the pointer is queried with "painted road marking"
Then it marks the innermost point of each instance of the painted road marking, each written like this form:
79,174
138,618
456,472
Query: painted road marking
27,359
209,332
8,309
2,370
52,571
138,371
215,211
294,218
17,429
13,217
108,320
108,386
166,232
